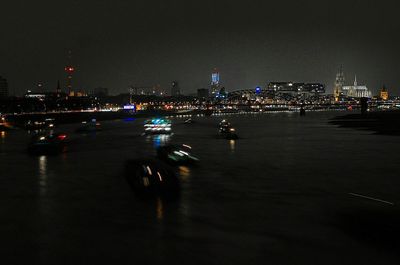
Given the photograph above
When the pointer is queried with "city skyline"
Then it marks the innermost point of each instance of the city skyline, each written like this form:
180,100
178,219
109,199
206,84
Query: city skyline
201,132
137,44
39,87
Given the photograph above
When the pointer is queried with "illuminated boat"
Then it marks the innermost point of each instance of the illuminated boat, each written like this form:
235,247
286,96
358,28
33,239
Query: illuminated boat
47,144
89,127
224,123
227,131
176,154
224,126
158,126
39,124
4,126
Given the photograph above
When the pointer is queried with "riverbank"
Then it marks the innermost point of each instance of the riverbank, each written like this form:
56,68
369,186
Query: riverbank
383,122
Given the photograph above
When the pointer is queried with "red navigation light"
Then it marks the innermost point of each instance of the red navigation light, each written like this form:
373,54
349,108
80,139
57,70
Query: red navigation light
62,137
69,69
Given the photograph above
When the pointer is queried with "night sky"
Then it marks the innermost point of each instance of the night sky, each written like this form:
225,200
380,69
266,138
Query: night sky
116,44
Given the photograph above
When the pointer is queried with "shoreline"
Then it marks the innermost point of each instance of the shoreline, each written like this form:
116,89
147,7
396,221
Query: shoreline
380,122
19,120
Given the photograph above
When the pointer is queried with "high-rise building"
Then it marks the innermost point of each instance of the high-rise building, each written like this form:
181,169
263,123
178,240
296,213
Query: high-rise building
175,89
3,87
215,82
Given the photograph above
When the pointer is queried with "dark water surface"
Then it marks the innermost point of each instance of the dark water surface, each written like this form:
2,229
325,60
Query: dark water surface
278,195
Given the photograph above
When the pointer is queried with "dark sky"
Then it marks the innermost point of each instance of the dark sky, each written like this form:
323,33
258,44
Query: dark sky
119,43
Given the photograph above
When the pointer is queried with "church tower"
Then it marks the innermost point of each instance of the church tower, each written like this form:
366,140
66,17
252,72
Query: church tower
384,94
339,83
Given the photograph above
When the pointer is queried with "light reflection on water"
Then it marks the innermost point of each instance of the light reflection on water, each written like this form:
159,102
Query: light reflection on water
232,144
185,176
159,139
42,175
3,136
184,172
159,209
64,155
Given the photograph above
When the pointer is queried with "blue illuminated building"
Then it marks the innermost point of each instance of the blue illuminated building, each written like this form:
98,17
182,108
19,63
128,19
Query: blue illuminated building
215,85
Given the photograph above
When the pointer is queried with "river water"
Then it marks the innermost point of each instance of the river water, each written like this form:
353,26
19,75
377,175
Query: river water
291,190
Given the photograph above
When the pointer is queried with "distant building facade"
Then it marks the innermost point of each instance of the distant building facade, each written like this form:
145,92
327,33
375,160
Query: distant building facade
3,87
356,91
296,88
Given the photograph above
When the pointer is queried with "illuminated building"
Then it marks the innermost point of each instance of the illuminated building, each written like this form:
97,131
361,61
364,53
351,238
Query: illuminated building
339,83
175,89
215,85
295,88
80,93
356,91
384,94
3,88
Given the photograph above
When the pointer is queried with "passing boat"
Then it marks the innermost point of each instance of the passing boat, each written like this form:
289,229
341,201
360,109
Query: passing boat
227,131
32,125
151,178
4,126
180,154
90,127
158,126
43,144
